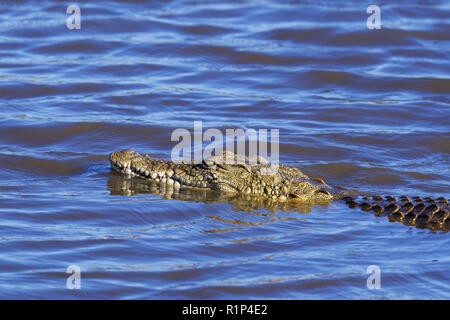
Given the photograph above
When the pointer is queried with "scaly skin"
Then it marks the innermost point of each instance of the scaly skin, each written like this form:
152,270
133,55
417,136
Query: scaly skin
284,185
215,174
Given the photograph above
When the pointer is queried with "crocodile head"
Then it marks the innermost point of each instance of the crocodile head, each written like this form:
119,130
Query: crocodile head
284,184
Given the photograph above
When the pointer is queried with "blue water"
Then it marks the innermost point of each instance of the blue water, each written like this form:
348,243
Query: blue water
364,109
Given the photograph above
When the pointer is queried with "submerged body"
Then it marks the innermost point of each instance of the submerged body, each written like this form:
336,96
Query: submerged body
282,184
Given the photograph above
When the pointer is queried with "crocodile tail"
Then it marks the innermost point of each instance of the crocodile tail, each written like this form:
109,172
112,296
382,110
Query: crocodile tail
421,212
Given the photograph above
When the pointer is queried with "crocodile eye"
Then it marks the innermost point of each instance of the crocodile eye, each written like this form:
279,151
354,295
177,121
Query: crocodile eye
326,192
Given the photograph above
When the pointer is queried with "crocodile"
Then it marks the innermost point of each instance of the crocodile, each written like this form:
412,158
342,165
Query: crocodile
230,175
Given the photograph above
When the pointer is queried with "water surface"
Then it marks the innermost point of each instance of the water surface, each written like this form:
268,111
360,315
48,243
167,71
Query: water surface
365,109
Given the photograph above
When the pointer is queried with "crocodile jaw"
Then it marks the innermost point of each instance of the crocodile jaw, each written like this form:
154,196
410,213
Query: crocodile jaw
288,184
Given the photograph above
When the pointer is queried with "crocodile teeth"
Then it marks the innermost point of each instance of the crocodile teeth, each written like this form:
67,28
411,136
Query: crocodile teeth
169,173
154,175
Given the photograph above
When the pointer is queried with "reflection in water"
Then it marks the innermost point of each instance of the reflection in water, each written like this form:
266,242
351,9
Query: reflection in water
262,207
266,208
243,202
